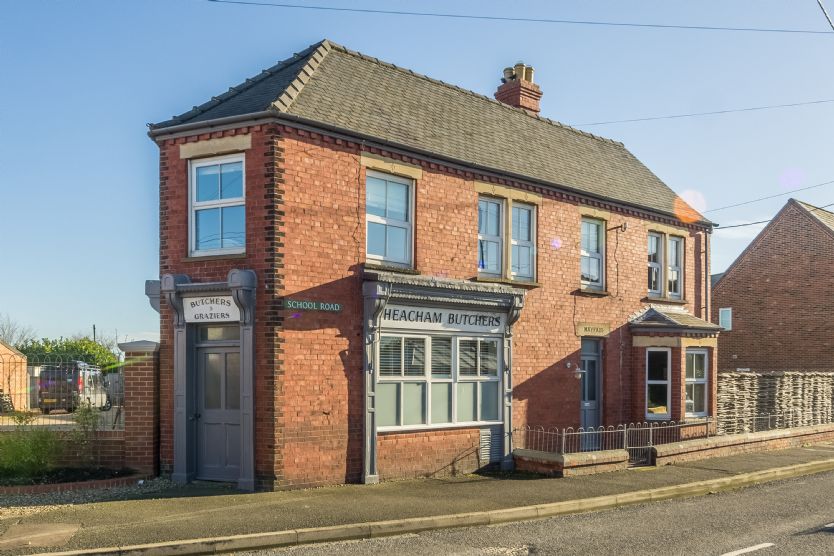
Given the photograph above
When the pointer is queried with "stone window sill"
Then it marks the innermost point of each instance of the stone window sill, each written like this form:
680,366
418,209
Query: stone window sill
231,256
516,283
674,301
590,292
390,268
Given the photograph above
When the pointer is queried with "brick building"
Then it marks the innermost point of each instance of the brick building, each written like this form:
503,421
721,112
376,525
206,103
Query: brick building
776,300
369,274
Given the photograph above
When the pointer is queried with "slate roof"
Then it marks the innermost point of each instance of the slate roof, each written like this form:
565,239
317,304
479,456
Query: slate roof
329,85
824,216
661,317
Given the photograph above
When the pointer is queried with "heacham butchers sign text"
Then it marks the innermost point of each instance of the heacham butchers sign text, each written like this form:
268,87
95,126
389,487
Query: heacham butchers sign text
434,318
215,308
305,305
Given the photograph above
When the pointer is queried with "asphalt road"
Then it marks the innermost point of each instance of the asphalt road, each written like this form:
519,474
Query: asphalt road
785,517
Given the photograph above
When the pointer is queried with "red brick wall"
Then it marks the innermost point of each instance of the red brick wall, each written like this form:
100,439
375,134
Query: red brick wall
780,291
306,240
107,450
428,453
141,412
263,242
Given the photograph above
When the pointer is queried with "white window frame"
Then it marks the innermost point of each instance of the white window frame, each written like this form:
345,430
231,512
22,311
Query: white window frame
725,315
454,380
601,255
670,267
385,221
498,239
531,244
667,382
194,205
704,381
661,274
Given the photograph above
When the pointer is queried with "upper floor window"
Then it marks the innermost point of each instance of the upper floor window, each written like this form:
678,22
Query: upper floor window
725,318
389,218
675,270
665,266
490,240
592,254
218,207
523,242
655,252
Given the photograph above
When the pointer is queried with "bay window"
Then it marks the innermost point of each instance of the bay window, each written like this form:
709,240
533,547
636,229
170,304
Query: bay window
389,218
218,207
697,379
658,383
437,380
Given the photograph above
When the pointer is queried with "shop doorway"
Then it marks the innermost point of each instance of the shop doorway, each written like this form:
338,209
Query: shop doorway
590,413
218,413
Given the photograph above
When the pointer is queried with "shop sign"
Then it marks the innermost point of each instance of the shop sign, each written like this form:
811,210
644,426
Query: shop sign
440,319
215,308
304,305
592,329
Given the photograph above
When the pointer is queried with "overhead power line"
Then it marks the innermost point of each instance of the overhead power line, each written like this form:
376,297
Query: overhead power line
782,194
713,113
825,13
524,19
768,220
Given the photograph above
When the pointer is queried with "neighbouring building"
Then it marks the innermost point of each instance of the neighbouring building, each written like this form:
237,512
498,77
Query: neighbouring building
367,274
14,380
775,302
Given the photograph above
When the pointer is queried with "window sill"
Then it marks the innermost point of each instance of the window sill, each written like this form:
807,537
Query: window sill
672,300
517,283
430,428
368,265
590,292
228,256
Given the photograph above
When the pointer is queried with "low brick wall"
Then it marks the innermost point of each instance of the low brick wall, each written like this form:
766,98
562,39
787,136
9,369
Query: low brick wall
108,450
570,465
733,444
428,453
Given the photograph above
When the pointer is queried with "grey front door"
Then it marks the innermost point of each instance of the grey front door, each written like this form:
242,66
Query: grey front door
218,414
590,364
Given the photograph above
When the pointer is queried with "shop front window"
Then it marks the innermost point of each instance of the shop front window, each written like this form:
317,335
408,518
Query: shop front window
437,380
658,370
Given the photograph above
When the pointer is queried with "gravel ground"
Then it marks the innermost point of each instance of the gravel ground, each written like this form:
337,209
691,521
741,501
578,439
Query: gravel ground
19,505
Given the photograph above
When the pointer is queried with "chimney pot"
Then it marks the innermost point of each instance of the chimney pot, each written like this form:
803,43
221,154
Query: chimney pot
517,88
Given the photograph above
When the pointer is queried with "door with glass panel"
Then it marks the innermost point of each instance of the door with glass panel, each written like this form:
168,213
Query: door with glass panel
590,388
218,413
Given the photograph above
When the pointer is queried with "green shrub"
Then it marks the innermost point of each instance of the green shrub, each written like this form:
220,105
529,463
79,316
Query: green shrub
28,451
88,420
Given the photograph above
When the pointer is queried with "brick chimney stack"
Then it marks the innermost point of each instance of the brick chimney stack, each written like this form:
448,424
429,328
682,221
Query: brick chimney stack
517,88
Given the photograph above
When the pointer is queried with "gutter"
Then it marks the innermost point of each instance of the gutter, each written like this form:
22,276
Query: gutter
270,115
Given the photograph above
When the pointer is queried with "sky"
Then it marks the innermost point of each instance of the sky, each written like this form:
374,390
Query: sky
80,80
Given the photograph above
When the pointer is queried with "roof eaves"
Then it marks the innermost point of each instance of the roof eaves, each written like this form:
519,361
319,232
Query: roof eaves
814,213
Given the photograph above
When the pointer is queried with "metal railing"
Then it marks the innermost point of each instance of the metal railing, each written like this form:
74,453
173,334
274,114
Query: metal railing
639,438
47,392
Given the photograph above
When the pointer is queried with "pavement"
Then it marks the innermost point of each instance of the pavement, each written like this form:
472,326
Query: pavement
794,516
202,511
